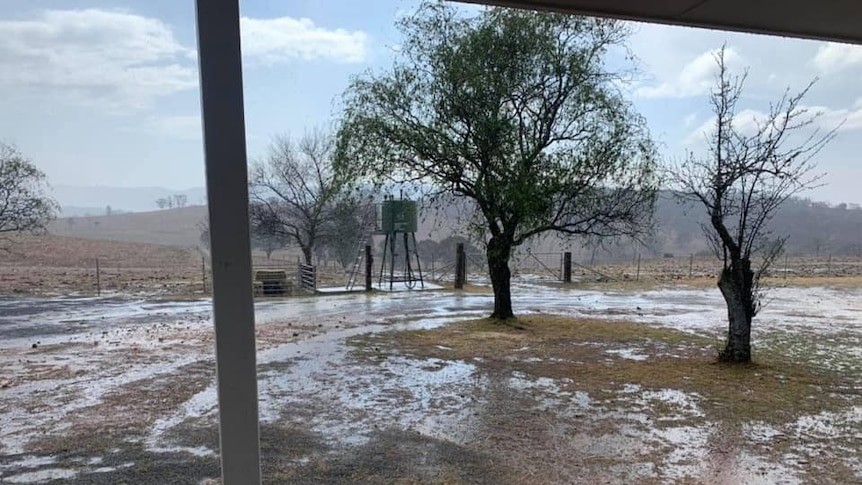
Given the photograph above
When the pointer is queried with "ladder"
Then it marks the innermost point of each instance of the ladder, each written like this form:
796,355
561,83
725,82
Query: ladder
368,224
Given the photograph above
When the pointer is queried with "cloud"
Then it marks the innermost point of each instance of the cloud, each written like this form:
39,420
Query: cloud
689,120
283,39
832,57
180,127
831,118
677,64
95,56
745,121
117,61
696,78
748,120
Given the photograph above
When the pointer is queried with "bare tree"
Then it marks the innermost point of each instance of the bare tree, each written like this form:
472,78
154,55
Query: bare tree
294,191
162,203
749,172
266,242
180,200
204,237
24,206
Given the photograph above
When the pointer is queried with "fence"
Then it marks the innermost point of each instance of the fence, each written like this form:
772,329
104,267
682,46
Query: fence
551,266
672,267
182,274
543,265
103,276
189,274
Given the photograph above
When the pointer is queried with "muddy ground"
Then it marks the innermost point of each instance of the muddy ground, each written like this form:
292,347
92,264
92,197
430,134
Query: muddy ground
592,386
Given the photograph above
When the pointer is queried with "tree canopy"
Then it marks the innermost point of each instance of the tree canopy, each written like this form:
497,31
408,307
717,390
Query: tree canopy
296,196
24,205
517,111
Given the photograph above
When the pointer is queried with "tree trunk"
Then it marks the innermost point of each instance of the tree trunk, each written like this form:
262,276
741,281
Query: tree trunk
307,254
499,251
737,286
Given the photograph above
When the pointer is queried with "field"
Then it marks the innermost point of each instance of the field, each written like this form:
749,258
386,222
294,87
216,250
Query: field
58,265
598,382
175,227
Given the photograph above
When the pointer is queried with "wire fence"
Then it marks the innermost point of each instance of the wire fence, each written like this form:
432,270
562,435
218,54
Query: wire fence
191,275
549,266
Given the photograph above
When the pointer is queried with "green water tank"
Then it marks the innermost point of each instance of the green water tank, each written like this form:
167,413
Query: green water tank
399,216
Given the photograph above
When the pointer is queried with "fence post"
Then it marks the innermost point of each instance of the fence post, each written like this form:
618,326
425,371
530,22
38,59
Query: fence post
204,272
460,267
638,274
829,265
369,263
690,265
432,268
98,279
567,267
785,266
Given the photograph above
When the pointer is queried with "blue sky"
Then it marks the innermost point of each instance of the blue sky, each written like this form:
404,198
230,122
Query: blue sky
105,93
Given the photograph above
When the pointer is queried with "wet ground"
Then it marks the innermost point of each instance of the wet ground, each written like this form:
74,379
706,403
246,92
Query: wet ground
115,390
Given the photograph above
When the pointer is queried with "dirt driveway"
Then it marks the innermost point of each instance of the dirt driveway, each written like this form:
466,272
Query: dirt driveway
615,387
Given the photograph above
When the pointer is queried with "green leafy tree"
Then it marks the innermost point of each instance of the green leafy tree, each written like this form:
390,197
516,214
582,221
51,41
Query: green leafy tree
516,111
351,226
24,206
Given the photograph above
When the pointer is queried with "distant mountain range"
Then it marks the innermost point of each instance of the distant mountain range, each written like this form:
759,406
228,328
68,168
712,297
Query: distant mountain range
813,228
77,201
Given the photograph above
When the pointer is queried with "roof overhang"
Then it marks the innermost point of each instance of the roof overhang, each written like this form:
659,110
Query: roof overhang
835,20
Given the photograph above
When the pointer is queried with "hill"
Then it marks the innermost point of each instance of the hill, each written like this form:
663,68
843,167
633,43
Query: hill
64,265
69,252
813,228
172,227
131,199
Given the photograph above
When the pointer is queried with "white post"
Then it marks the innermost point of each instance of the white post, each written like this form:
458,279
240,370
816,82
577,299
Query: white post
227,195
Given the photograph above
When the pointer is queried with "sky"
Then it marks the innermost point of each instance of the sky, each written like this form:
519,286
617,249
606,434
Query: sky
105,93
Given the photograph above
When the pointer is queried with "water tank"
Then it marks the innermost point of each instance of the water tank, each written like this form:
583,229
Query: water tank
399,216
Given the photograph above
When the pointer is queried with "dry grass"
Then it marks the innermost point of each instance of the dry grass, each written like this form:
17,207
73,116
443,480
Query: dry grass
647,283
775,391
178,227
854,281
130,409
70,252
54,264
598,445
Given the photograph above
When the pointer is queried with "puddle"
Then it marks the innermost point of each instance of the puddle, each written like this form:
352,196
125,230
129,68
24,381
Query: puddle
685,403
689,451
830,425
41,476
749,469
317,383
31,461
549,395
630,354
